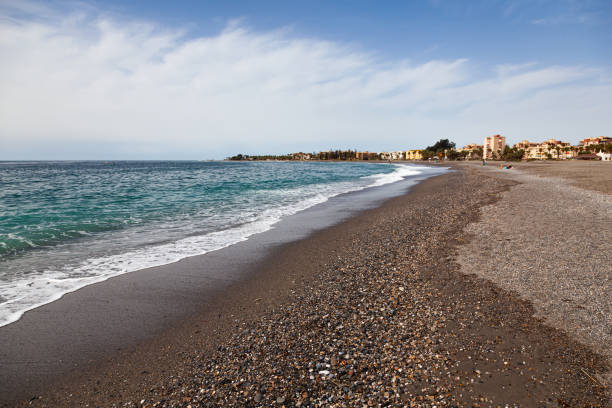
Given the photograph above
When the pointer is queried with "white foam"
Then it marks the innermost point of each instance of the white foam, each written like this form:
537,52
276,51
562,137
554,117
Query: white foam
22,295
399,174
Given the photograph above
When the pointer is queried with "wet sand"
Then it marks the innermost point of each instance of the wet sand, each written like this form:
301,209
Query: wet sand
89,327
374,310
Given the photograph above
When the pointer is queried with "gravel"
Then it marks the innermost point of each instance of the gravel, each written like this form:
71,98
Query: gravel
552,244
386,320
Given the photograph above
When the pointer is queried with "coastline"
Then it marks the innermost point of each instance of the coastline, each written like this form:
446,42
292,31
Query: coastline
91,325
98,258
395,261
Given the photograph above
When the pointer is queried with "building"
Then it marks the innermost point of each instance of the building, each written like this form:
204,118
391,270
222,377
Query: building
549,149
473,150
605,156
589,141
397,155
301,156
530,149
366,155
525,145
391,155
556,149
414,155
493,145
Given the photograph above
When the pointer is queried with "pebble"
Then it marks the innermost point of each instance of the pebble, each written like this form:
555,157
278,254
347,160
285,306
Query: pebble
390,321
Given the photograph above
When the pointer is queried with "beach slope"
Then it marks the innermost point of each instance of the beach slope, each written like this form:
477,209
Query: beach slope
375,310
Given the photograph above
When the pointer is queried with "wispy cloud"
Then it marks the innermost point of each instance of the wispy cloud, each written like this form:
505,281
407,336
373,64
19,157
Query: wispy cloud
88,85
549,12
580,18
571,12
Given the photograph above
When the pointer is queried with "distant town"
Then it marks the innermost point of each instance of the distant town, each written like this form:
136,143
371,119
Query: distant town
493,148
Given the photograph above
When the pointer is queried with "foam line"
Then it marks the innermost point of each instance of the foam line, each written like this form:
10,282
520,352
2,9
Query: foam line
19,296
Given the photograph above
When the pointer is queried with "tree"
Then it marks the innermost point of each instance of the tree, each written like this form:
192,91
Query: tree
566,149
427,154
512,154
441,145
452,154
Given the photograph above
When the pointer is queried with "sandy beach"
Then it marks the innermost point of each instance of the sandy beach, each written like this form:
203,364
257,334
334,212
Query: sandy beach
399,305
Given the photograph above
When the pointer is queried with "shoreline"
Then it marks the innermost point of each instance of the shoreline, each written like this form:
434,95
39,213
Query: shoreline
395,261
93,324
28,293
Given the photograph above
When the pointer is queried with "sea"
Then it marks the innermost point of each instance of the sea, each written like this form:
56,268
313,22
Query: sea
65,225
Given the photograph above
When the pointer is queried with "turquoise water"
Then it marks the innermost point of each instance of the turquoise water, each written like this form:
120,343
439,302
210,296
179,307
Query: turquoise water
64,225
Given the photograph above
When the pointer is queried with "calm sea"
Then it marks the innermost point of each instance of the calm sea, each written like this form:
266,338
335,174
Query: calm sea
64,225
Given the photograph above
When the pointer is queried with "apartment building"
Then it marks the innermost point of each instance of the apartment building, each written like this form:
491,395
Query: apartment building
366,155
525,145
493,145
414,155
471,150
398,155
549,149
589,141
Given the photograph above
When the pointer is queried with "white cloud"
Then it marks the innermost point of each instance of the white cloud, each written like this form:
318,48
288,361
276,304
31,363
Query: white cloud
87,85
584,18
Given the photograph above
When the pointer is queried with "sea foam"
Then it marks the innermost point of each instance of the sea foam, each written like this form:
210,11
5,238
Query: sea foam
21,295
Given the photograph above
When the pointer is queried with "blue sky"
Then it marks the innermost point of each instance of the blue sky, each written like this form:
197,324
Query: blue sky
508,31
198,80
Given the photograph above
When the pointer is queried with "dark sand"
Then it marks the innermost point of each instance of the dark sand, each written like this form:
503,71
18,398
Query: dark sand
371,311
86,327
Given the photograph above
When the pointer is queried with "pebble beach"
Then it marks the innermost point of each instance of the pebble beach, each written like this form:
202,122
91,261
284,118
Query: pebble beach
297,204
375,311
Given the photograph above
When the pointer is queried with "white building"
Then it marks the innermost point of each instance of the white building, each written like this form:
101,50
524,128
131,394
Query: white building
605,156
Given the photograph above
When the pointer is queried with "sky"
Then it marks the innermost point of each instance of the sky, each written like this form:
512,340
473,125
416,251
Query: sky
199,80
